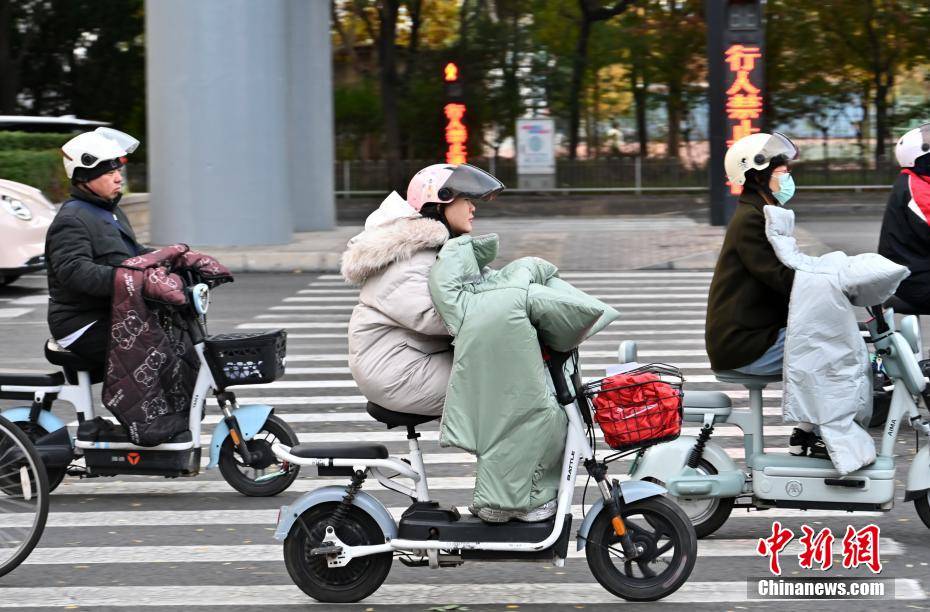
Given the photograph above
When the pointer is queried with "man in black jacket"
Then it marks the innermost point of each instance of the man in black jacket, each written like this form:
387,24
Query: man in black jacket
747,306
905,234
88,238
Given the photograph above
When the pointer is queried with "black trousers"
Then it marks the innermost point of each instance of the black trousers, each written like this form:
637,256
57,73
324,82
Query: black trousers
92,345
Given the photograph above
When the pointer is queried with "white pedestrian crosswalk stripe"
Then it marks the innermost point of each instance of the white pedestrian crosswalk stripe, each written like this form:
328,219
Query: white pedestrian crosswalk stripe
264,553
401,595
663,311
264,518
12,313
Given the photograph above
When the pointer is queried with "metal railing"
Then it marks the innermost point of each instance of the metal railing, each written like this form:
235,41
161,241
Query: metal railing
626,174
610,175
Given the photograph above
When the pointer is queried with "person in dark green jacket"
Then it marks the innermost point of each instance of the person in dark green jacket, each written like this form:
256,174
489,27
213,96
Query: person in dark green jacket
747,308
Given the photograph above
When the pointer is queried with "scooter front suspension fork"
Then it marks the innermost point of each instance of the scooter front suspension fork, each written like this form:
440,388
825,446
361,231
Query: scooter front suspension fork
225,400
612,504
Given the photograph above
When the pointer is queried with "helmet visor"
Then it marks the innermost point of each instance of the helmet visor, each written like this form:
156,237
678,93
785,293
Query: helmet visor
124,140
925,132
470,182
777,144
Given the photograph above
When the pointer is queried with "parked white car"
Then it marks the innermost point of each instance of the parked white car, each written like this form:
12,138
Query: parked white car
25,214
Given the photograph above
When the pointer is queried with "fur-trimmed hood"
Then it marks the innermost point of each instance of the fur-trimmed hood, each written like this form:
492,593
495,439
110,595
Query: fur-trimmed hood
392,233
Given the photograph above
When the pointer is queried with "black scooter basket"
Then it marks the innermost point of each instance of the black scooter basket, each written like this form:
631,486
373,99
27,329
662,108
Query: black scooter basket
247,358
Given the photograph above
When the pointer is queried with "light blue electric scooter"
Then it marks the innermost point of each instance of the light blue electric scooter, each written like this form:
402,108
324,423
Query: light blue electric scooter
708,484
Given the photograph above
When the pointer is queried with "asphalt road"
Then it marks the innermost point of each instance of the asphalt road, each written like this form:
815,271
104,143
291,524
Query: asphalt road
852,234
128,542
121,543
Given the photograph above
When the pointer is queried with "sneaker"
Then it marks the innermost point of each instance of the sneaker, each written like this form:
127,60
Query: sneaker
540,513
799,442
495,515
817,448
807,444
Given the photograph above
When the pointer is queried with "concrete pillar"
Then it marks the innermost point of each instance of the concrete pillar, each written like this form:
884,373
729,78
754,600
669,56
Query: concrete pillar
310,115
218,146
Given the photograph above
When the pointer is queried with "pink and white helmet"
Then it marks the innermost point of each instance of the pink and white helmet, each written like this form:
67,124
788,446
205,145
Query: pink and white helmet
442,183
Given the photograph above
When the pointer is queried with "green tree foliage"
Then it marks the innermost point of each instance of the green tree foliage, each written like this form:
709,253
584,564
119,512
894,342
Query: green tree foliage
824,55
79,57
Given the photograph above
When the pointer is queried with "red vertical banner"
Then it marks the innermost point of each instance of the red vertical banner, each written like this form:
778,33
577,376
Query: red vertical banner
744,97
456,133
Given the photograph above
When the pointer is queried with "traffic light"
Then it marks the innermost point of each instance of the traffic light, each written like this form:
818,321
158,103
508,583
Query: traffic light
450,75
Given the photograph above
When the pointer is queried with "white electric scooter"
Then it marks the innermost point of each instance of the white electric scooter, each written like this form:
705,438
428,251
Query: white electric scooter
240,444
708,484
339,542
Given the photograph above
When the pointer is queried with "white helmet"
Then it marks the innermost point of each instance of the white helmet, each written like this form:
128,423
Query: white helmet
912,145
88,155
755,152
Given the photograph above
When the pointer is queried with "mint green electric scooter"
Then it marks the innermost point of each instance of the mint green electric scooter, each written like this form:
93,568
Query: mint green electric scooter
708,484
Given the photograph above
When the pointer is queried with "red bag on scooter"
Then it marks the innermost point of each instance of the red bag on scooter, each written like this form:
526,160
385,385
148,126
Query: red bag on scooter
638,408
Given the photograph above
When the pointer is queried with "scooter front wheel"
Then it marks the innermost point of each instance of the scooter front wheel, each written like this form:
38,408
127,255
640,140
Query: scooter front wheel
353,582
266,474
668,545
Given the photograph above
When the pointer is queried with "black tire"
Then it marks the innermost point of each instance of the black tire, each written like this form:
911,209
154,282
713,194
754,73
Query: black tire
16,449
707,515
34,431
231,465
659,526
6,279
922,505
353,582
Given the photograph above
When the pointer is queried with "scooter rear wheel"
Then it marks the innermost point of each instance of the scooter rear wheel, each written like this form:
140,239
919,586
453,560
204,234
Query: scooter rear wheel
353,582
669,549
706,514
252,480
23,496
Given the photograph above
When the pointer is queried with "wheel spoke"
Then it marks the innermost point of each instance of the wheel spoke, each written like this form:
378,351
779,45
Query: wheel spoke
665,548
645,533
628,569
645,569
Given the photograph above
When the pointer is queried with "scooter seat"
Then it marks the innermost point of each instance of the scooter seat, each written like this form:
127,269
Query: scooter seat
747,380
59,356
340,451
902,307
699,403
71,363
398,419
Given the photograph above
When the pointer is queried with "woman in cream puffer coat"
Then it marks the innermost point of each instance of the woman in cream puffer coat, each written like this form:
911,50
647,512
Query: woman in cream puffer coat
400,351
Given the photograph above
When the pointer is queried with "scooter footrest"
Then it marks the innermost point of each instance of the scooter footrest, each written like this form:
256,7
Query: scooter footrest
472,529
340,451
100,429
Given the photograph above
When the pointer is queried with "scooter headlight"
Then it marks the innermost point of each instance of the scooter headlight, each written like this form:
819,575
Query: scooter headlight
200,296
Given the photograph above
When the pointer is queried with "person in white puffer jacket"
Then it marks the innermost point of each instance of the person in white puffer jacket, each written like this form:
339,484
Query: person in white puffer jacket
400,352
